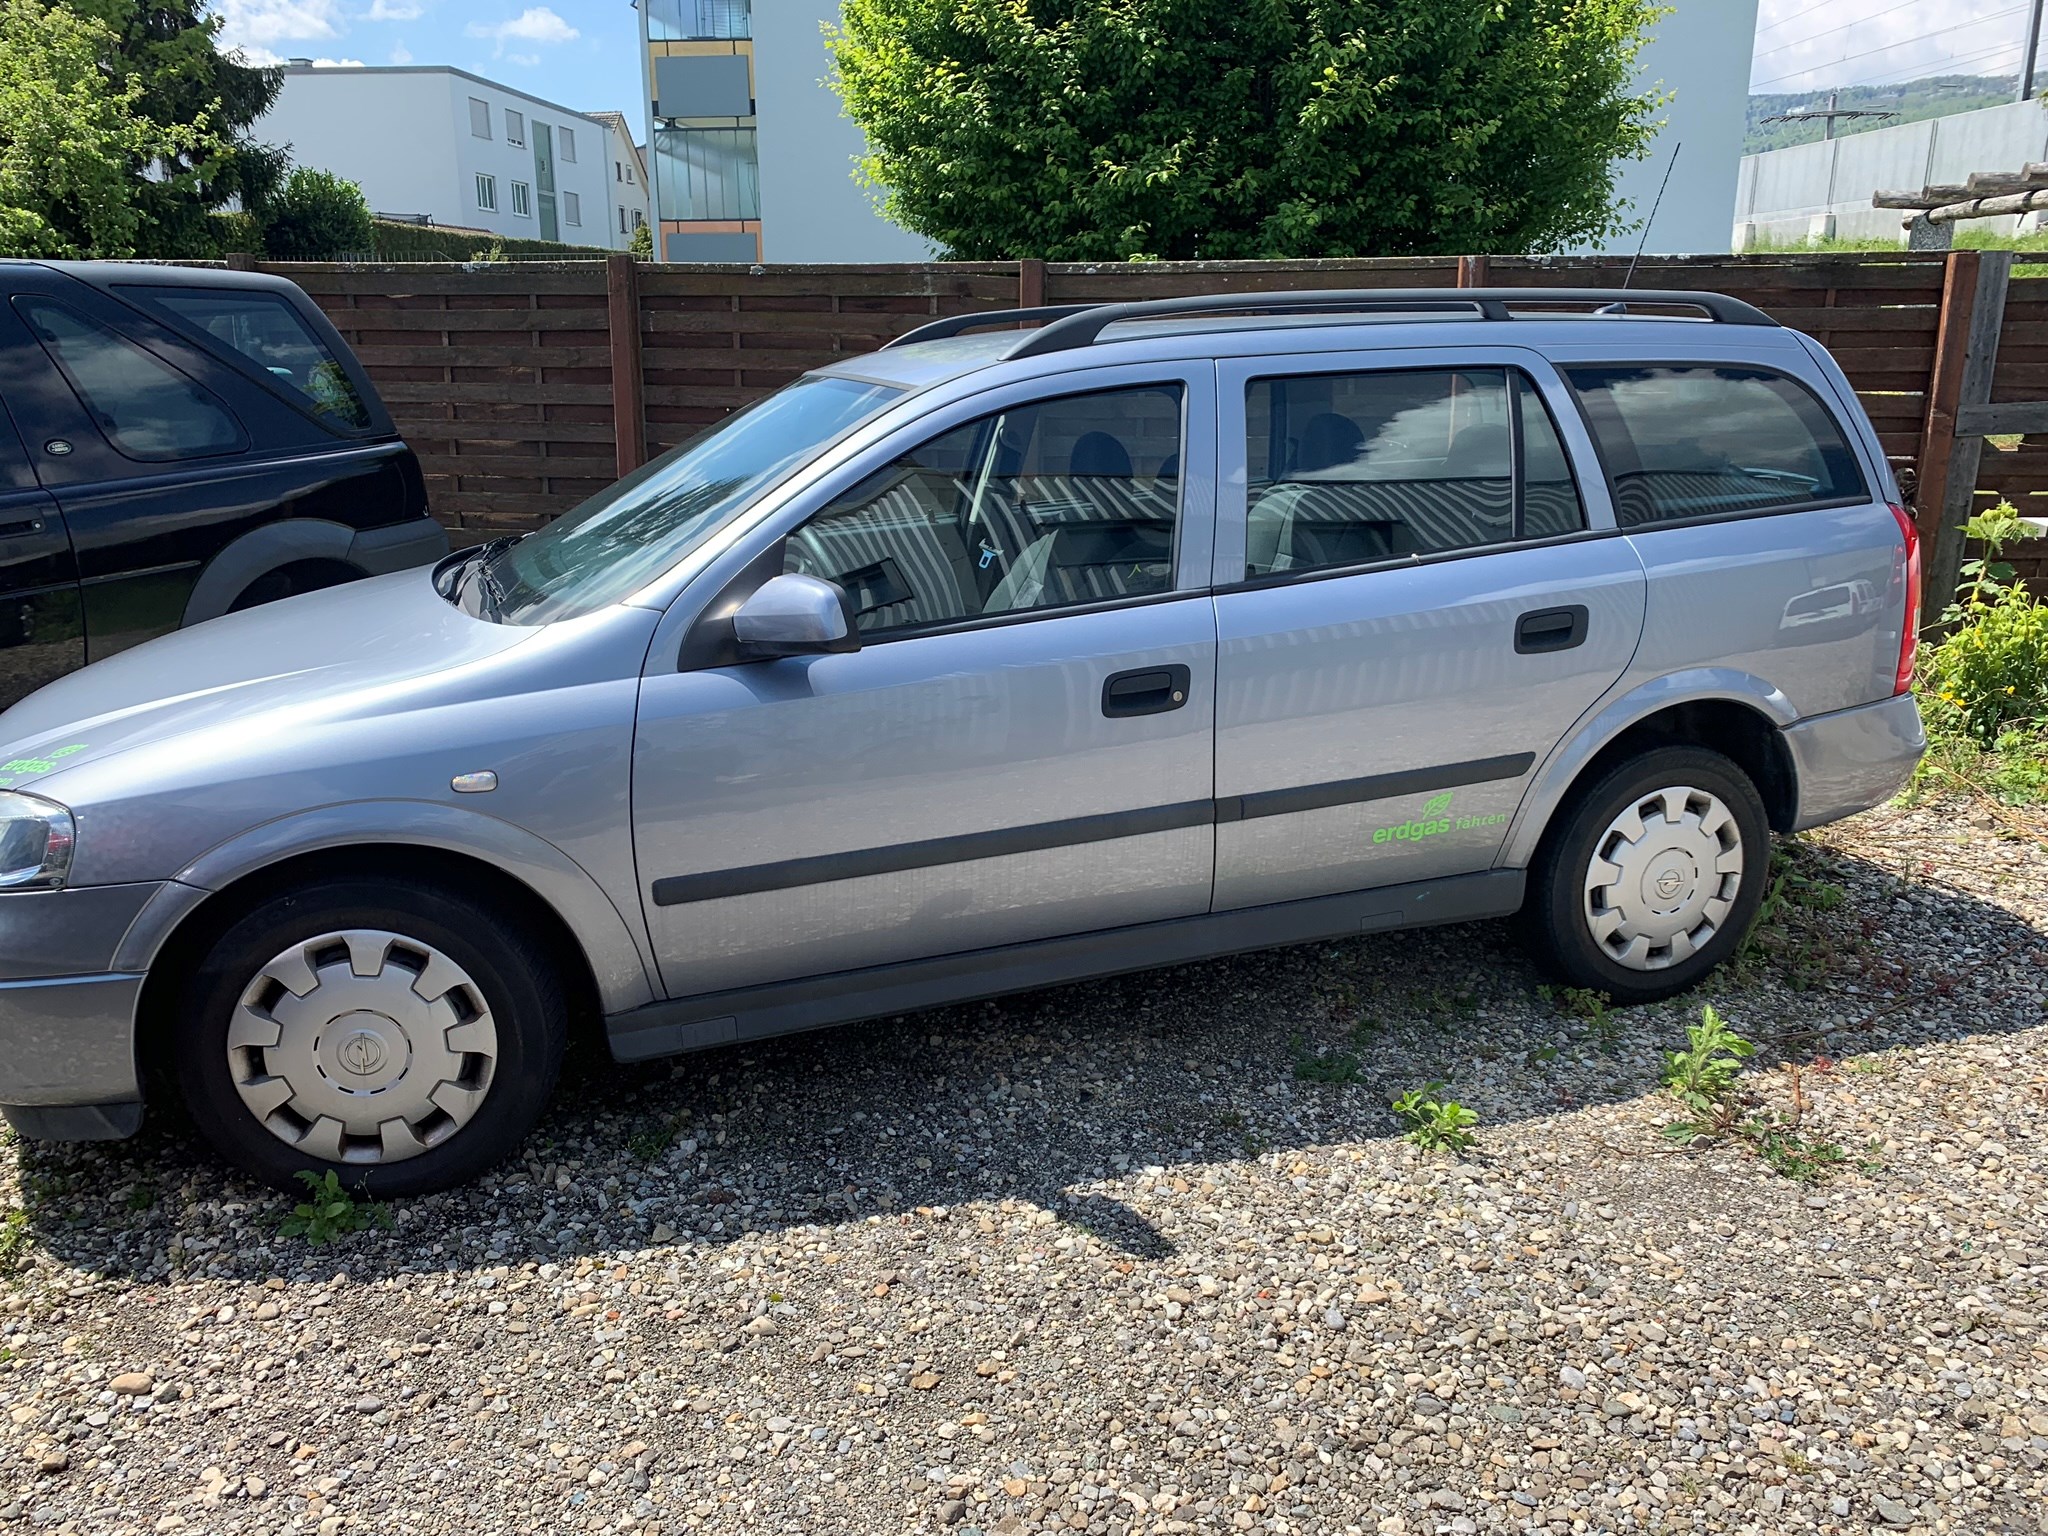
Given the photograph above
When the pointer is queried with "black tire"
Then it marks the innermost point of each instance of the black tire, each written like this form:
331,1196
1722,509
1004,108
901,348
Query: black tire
1557,923
523,995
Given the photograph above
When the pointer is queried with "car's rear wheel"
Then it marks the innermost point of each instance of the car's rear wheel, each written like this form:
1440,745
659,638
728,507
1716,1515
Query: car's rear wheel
1653,876
400,1034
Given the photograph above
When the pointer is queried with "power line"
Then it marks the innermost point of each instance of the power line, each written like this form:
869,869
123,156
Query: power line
1927,69
1845,26
1890,47
1772,26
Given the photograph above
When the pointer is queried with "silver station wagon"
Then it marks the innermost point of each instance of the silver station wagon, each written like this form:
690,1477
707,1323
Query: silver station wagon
1118,637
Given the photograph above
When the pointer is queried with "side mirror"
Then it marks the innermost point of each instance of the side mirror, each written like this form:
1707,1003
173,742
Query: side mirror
795,616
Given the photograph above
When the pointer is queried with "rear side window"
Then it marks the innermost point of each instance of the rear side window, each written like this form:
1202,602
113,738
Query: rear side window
1352,468
1684,441
146,408
265,330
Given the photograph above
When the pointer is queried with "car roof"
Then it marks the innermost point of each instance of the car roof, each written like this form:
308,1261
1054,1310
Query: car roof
919,365
112,274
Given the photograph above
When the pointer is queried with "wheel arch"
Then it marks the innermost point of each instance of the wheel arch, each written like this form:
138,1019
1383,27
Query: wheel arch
259,552
1733,713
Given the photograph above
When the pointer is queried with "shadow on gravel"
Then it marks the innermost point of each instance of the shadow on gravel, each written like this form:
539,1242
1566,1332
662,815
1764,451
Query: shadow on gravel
1037,1097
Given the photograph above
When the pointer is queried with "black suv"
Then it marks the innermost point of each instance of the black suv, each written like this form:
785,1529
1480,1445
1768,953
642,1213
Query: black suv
178,443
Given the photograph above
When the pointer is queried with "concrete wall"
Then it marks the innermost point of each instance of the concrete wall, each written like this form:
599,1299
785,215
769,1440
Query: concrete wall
402,134
1785,196
1700,53
811,207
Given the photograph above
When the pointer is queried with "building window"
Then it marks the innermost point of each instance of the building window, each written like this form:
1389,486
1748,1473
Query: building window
681,19
568,142
522,199
479,117
639,218
706,173
487,192
618,170
622,222
629,176
515,127
572,209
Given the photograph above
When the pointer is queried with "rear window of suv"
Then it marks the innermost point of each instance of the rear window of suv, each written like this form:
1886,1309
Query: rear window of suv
264,330
1684,441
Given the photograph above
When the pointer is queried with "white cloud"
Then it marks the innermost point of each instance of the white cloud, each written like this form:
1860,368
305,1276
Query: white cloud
400,54
535,24
258,23
263,58
1801,46
393,10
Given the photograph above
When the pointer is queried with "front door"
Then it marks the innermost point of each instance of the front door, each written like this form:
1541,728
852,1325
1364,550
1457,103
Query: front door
1426,608
1022,748
42,622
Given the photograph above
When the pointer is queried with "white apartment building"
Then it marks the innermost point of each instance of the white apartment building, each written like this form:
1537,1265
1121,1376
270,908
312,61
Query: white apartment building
632,198
753,157
463,150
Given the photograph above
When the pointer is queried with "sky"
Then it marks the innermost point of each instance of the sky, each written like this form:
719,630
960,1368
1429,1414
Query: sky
1805,45
581,54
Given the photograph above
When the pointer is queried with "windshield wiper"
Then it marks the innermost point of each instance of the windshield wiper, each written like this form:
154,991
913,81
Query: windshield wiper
476,576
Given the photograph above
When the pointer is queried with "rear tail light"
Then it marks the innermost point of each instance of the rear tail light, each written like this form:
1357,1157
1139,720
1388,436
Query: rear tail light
1909,635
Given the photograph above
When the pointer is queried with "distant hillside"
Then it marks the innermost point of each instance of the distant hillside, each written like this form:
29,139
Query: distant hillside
1913,100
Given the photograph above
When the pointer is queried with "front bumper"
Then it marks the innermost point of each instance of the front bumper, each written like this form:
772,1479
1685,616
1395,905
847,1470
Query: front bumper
67,1014
1853,759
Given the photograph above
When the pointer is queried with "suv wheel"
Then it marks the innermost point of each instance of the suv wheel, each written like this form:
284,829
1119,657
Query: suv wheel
400,1034
1654,875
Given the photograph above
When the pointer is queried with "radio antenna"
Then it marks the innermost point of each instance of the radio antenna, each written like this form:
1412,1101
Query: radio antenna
1652,219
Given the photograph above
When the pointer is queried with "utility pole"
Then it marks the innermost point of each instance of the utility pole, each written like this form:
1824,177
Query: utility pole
1828,114
2028,50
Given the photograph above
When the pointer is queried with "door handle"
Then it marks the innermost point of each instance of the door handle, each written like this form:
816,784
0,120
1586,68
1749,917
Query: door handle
26,525
1550,629
1146,691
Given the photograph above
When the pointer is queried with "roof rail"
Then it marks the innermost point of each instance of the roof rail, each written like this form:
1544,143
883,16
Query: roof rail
1067,326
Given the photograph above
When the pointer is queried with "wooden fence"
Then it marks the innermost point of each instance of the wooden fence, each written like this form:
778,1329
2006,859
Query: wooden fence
526,387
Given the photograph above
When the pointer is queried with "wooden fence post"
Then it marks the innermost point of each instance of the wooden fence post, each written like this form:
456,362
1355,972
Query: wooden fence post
1030,283
241,261
1965,354
629,394
1474,271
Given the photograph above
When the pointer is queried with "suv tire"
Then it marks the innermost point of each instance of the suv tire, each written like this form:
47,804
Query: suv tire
1653,875
398,1033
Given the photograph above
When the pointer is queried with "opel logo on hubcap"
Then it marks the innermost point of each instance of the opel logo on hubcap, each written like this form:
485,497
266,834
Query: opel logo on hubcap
1670,883
362,1053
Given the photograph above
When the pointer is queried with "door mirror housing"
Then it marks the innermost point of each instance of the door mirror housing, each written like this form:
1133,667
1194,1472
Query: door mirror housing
795,616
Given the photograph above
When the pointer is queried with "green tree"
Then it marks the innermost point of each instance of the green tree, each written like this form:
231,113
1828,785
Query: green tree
317,217
169,50
1124,129
642,244
70,131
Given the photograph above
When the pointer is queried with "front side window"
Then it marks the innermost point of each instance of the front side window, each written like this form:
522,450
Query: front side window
1694,440
263,329
1048,505
1353,468
146,408
629,533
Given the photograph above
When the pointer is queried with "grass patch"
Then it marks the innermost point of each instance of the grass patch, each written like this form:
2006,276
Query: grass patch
14,1241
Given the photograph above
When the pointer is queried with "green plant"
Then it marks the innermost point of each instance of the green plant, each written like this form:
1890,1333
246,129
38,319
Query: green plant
332,1211
1789,1154
141,1196
1596,1008
642,246
318,216
1703,1076
1436,1123
1987,577
14,1240
1326,1067
1096,130
1986,682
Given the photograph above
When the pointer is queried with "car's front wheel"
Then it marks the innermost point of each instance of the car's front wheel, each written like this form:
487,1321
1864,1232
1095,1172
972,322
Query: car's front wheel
400,1034
1653,876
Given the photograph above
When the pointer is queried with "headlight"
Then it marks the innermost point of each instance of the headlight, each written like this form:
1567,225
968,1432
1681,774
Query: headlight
35,842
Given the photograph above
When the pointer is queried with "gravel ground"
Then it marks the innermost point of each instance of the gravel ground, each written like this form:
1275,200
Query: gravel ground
1112,1259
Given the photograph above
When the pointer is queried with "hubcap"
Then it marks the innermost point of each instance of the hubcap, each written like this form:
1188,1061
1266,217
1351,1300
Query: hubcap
362,1047
1663,878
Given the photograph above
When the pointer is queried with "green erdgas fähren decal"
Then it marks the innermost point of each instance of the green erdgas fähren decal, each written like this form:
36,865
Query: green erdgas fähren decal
1435,820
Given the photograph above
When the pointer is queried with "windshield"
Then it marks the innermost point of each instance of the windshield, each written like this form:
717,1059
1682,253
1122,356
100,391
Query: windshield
625,536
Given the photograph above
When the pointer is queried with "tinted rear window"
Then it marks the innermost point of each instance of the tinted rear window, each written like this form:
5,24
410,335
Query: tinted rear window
265,330
1684,441
147,409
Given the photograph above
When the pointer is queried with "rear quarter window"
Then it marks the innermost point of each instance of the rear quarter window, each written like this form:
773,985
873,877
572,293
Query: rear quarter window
264,331
1683,441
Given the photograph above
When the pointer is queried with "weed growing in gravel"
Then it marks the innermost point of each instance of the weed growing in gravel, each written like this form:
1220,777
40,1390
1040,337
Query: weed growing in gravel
332,1212
14,1240
1790,939
1707,1078
653,1141
141,1197
1324,1067
1596,1008
1435,1123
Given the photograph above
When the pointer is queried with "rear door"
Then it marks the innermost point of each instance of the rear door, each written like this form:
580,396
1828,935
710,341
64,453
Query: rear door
42,630
1417,598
